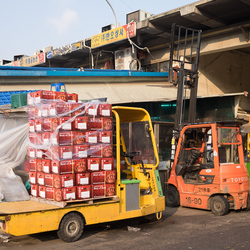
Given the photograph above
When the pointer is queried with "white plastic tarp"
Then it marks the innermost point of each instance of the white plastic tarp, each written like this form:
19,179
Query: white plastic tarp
13,150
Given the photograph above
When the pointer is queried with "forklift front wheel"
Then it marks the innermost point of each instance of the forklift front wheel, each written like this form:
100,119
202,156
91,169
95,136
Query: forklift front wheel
71,227
172,197
248,203
219,205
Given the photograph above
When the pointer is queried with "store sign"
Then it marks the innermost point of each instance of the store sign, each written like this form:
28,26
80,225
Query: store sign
33,60
17,63
114,35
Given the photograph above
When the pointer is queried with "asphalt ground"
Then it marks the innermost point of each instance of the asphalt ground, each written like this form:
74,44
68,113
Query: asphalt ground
179,228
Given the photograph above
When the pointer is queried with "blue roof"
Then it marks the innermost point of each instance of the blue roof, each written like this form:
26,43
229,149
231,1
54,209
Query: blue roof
45,71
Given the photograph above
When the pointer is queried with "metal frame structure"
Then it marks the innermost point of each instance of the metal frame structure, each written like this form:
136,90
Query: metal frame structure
184,60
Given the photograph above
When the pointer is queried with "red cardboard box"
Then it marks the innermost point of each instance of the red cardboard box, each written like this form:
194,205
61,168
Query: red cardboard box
73,97
80,165
42,192
107,150
60,194
32,178
103,177
34,190
101,150
103,190
95,150
81,123
61,181
35,165
48,180
107,163
31,126
40,178
81,151
46,166
79,138
61,153
91,109
49,193
101,123
83,179
105,137
77,109
40,153
66,138
105,110
31,152
54,194
69,193
46,137
35,138
54,138
41,94
65,123
63,167
60,96
84,192
66,152
32,113
50,124
44,108
92,137
93,164
32,138
58,108
36,97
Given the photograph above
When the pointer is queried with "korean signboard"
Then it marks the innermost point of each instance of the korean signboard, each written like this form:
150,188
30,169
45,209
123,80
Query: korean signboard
113,35
33,60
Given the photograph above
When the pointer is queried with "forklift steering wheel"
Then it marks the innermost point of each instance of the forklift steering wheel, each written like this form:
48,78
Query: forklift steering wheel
196,153
130,155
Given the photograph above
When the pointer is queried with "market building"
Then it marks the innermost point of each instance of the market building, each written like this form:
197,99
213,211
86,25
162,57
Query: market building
129,65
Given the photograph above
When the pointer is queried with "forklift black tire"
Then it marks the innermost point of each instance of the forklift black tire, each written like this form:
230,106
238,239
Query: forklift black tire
219,205
248,203
71,227
172,197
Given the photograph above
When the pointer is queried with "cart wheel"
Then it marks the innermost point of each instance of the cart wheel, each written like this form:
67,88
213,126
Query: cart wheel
172,197
219,205
71,227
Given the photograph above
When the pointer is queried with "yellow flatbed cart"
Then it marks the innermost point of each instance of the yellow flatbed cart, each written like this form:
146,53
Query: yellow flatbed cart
138,188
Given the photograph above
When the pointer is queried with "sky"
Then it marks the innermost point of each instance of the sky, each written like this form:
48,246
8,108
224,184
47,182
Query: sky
30,25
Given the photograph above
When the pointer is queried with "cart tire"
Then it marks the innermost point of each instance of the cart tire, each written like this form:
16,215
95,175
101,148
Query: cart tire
219,205
172,197
71,227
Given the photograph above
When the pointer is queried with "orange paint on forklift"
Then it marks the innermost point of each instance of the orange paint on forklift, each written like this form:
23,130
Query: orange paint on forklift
208,171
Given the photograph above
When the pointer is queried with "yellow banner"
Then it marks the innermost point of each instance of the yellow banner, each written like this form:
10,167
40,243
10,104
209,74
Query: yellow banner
33,60
113,35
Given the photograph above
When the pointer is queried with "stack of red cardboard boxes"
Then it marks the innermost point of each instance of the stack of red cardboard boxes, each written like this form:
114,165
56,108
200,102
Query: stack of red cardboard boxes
71,149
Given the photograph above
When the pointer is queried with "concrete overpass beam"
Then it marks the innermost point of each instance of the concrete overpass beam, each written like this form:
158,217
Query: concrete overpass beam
191,12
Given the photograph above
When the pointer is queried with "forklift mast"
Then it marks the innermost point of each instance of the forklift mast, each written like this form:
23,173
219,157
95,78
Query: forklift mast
183,69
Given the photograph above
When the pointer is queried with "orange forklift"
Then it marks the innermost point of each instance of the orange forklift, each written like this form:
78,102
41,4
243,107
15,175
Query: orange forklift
207,168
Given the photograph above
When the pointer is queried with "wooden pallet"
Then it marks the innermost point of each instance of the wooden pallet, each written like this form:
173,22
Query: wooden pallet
79,202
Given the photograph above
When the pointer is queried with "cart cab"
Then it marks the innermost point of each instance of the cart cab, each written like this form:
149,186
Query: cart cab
138,183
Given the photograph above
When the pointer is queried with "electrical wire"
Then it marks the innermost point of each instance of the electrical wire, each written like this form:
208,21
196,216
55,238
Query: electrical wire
126,5
135,45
